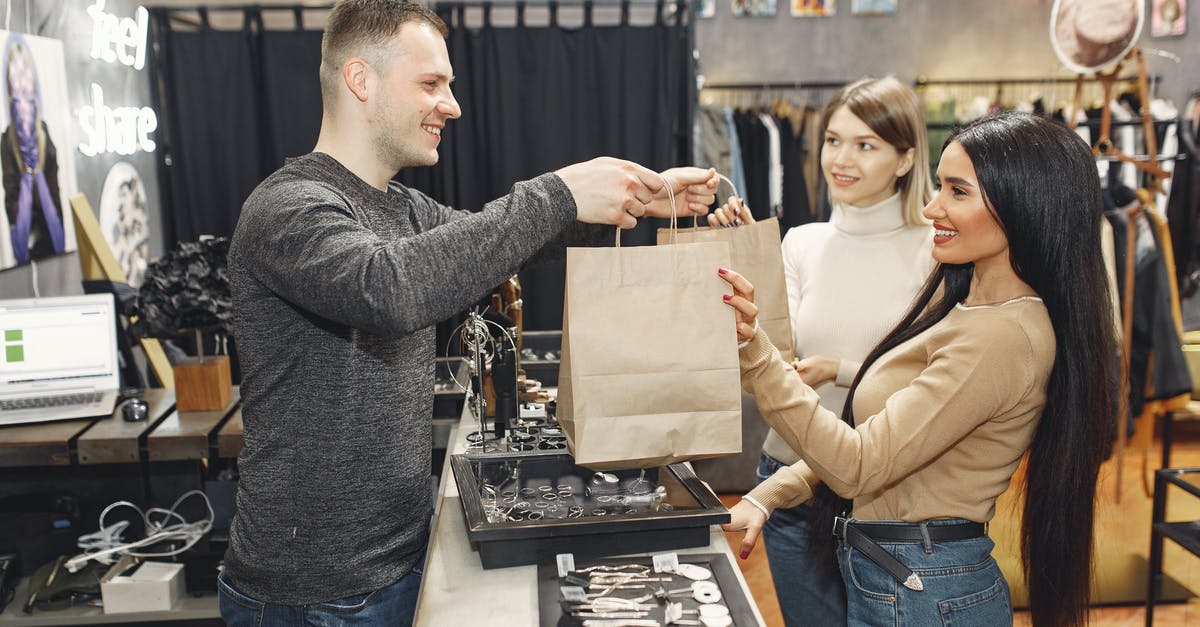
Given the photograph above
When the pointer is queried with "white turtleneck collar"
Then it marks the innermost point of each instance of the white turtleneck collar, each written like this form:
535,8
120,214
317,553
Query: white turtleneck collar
884,217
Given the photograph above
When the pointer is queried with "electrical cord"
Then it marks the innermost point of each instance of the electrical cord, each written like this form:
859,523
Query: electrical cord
104,544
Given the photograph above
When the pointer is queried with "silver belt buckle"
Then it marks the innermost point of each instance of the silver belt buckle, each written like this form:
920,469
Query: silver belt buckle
839,526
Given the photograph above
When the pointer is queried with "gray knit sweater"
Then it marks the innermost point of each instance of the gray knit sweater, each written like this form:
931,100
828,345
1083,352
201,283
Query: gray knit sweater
336,286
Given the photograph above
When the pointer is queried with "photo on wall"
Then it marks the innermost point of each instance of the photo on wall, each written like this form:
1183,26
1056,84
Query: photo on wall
873,7
1168,18
124,220
37,159
753,8
813,8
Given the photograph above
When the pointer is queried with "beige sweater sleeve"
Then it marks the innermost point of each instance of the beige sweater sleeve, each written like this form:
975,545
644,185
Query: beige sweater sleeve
788,487
968,380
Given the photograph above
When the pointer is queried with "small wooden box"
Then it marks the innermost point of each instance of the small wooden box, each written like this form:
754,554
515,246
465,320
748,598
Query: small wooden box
203,383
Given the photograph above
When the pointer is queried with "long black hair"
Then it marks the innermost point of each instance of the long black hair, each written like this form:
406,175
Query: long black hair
1039,181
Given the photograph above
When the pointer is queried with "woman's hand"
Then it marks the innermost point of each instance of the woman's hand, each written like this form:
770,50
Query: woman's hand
751,519
733,213
742,301
817,369
694,188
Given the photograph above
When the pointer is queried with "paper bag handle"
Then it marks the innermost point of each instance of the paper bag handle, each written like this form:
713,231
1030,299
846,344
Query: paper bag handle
674,217
735,194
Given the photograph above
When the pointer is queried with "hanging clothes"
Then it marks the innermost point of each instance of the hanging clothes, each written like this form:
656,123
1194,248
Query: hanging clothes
795,190
752,135
774,166
712,145
1183,206
1157,368
737,165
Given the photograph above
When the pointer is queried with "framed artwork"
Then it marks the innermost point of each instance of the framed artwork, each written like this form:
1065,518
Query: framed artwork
706,8
753,8
813,8
37,156
124,220
873,7
1168,18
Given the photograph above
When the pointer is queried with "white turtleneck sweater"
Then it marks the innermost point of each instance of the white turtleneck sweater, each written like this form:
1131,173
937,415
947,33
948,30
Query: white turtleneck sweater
849,281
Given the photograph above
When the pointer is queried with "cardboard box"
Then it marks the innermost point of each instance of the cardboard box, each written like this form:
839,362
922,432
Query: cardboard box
148,587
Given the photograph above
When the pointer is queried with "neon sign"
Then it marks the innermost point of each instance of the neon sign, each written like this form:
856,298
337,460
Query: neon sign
120,130
112,37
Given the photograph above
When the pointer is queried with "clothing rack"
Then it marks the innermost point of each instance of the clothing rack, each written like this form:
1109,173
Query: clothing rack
776,86
964,82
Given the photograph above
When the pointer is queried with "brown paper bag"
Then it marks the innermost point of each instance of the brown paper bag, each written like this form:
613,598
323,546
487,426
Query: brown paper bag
755,252
648,374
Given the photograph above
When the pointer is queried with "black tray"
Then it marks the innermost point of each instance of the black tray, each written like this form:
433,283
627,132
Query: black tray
550,607
604,524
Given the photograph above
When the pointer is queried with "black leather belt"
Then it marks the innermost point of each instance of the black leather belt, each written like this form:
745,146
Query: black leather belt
864,537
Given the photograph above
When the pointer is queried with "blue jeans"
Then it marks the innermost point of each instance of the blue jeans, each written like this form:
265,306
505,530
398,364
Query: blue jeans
810,594
394,604
963,584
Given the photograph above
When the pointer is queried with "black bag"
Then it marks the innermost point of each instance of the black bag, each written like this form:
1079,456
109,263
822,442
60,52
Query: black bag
53,587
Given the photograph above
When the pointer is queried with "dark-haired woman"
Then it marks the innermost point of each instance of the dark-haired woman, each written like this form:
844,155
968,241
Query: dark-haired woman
875,160
1004,352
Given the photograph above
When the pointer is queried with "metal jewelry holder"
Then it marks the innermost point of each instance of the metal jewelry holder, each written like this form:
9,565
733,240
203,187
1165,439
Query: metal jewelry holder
479,347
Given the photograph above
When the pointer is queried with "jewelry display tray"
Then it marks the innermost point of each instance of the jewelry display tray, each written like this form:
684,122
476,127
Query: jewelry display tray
550,606
598,528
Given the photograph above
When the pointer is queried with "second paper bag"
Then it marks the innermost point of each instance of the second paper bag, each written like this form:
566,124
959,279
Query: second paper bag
755,253
649,368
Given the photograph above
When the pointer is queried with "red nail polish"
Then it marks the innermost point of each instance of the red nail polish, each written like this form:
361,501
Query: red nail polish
726,297
745,554
720,270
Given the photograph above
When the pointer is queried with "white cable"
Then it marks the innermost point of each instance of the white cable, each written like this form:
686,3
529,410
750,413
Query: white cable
106,542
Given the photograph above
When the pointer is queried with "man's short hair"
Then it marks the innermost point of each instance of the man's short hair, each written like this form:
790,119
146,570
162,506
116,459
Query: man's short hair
363,28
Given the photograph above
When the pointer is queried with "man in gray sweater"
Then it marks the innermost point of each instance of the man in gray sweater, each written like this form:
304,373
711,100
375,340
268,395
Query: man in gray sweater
338,276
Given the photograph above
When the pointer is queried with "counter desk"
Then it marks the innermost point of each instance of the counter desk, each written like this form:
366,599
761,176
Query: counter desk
457,590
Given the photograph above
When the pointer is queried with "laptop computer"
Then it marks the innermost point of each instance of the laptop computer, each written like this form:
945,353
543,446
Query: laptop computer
58,358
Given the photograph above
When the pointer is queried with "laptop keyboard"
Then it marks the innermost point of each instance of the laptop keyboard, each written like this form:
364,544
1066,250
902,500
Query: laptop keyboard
83,398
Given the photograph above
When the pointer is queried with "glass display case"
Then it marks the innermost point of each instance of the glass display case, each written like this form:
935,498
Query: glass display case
523,508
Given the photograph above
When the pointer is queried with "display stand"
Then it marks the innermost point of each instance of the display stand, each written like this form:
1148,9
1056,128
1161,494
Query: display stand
96,261
1104,148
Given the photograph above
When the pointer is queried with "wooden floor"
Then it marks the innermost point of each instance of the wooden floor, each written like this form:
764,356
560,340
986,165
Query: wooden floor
1122,543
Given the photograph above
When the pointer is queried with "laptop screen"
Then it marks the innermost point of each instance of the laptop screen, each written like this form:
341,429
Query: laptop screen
58,343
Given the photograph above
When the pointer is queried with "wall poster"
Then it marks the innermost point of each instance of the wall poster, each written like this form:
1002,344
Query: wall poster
813,8
753,8
1168,18
37,156
873,7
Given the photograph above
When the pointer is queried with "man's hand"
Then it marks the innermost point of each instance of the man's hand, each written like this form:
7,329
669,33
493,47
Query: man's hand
695,189
610,191
817,369
745,516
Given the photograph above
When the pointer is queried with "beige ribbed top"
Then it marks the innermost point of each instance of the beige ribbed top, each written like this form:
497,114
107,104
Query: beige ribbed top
942,421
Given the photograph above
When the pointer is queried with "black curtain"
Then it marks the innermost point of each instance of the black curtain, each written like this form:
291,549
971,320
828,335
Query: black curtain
534,98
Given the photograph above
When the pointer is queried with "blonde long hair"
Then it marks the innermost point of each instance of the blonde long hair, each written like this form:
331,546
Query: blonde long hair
892,110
